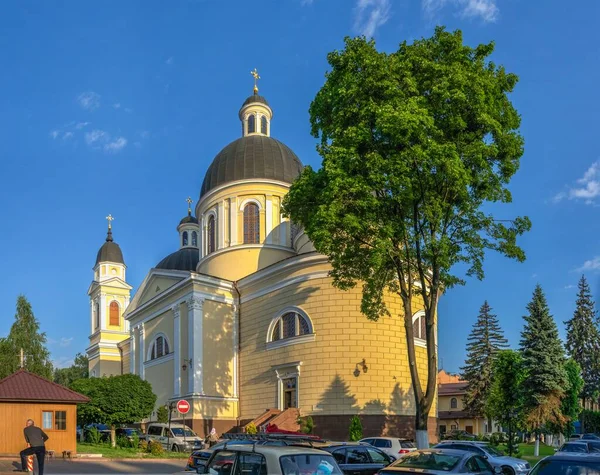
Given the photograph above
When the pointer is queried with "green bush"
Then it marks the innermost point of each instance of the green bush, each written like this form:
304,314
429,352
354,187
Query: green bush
162,414
143,446
123,442
590,420
135,440
94,436
356,430
155,448
307,425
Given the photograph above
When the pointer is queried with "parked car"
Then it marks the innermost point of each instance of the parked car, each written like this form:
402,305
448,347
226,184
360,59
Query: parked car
575,437
593,446
567,464
268,460
128,432
508,465
458,435
574,448
176,437
354,458
590,437
102,428
391,445
441,461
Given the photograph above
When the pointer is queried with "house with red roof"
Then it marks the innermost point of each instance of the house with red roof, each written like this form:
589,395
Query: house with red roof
24,395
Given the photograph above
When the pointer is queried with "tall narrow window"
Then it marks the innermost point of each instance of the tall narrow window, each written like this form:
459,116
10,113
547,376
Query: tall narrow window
211,234
114,313
184,239
251,124
251,224
194,239
263,125
97,316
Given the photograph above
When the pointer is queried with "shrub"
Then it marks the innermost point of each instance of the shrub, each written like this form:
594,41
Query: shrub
94,436
251,429
155,448
123,442
356,430
143,446
307,424
162,414
135,440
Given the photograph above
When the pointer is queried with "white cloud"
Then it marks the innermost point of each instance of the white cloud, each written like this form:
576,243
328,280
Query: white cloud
370,15
54,134
587,188
89,100
68,135
65,341
117,105
486,10
570,286
590,266
116,145
62,362
169,61
81,125
533,276
95,136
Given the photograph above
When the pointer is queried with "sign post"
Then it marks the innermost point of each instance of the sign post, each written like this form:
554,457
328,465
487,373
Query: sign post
183,407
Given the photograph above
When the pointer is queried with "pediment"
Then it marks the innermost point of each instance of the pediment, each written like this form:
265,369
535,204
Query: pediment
155,284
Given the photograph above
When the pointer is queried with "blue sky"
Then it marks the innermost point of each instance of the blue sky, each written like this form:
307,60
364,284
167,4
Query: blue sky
119,107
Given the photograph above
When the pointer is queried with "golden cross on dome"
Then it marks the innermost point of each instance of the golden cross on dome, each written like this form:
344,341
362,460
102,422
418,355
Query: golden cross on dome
256,78
110,219
189,202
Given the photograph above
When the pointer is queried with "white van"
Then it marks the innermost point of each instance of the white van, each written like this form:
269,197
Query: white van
175,437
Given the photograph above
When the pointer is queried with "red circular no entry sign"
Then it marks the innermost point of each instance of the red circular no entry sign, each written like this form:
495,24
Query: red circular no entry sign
183,406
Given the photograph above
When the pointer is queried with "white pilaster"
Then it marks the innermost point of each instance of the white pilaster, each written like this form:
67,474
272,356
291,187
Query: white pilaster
221,225
132,352
203,247
92,317
195,347
103,311
142,349
176,351
269,219
236,316
233,219
283,233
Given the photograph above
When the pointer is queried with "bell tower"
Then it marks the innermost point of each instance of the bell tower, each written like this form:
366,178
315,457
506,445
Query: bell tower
109,295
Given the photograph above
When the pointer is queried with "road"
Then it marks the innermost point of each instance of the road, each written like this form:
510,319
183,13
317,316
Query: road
101,467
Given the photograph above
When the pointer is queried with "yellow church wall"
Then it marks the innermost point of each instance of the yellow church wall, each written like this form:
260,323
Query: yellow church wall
183,322
160,376
239,262
444,403
161,324
214,409
218,345
112,337
344,337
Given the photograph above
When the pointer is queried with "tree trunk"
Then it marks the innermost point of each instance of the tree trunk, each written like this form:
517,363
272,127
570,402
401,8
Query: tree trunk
536,450
113,436
422,436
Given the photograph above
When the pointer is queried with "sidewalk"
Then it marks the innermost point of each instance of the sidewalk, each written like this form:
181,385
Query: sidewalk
100,466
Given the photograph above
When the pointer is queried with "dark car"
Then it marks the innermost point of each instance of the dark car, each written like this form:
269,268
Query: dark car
358,459
590,437
458,435
593,446
440,462
568,464
128,432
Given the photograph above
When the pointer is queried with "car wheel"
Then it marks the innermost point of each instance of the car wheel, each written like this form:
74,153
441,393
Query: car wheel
175,448
508,471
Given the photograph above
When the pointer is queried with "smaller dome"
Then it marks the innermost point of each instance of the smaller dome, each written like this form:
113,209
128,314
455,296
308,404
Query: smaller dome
110,251
184,259
189,219
254,98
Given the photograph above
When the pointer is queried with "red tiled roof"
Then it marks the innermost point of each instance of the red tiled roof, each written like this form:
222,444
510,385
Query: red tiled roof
26,386
452,389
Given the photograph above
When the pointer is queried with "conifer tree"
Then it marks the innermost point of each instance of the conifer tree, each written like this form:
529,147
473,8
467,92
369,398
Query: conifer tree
583,340
25,335
485,340
544,364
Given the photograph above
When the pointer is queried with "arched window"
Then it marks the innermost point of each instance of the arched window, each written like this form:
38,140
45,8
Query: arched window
251,224
263,125
184,239
160,347
97,315
194,239
251,124
453,403
290,325
419,326
211,232
114,313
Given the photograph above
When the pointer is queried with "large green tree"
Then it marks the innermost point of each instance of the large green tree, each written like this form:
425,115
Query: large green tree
78,370
115,400
25,336
413,143
583,340
570,406
544,362
505,402
485,340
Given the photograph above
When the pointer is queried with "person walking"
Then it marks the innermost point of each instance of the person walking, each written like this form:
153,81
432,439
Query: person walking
35,438
212,438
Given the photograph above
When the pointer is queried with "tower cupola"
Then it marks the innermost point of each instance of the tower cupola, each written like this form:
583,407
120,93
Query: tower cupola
188,229
255,113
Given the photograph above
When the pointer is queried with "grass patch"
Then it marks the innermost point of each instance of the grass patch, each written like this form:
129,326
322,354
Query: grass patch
119,452
526,452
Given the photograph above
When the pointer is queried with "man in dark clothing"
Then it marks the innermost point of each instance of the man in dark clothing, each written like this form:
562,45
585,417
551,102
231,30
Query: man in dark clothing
35,437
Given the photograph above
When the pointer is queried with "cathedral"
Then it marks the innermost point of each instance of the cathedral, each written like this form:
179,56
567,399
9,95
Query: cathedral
243,321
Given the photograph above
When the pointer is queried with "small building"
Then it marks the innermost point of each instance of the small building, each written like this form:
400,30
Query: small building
24,395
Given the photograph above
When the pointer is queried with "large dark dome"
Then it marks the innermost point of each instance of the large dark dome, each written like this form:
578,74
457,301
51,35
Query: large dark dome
184,259
253,156
110,252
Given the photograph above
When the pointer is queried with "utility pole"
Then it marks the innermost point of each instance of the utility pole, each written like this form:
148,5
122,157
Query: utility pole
22,359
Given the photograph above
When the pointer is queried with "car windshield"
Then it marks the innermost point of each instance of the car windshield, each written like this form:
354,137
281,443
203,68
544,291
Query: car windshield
405,444
308,464
578,448
178,432
491,450
428,461
594,447
566,467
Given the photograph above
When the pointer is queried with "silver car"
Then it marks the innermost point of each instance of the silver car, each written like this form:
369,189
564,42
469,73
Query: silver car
441,461
508,465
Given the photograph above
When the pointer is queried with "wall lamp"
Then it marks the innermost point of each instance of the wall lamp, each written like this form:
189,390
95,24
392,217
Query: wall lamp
363,365
186,363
